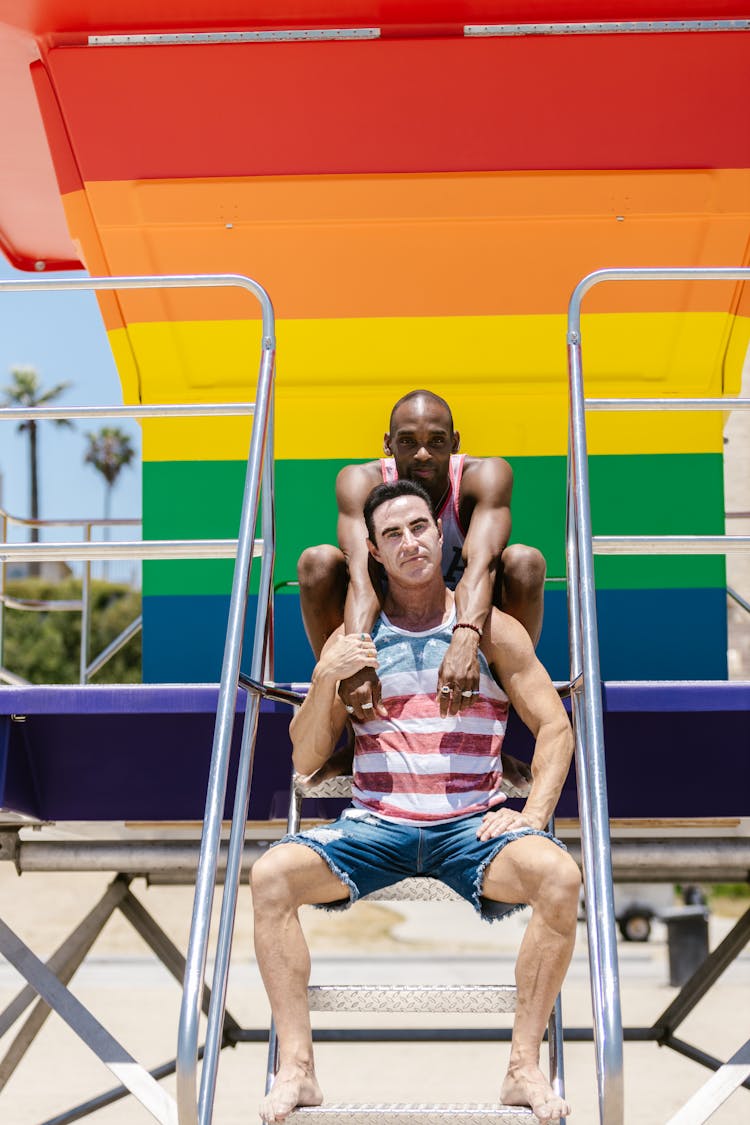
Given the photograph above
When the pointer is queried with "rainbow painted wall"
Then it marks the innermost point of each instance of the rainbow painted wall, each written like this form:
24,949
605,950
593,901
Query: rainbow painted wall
420,210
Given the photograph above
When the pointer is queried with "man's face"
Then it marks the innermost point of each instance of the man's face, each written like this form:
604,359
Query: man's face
421,441
407,541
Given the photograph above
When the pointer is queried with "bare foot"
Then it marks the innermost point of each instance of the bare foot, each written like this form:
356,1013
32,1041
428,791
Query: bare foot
292,1087
528,1086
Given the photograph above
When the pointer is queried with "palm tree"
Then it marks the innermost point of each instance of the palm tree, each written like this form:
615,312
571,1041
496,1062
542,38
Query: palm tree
26,391
109,450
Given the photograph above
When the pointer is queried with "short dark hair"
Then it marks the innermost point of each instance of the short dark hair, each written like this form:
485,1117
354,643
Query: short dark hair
421,394
382,493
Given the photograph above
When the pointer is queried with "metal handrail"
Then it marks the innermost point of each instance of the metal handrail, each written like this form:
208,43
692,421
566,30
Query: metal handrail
60,552
660,404
114,647
151,410
736,597
260,463
670,544
125,549
584,655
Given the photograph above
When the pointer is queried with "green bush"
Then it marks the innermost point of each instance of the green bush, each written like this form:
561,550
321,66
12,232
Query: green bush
44,646
731,890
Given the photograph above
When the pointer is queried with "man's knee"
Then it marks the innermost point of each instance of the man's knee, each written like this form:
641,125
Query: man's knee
320,565
557,884
272,881
524,567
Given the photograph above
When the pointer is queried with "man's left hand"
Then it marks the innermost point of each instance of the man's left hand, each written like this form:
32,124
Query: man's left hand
499,821
459,673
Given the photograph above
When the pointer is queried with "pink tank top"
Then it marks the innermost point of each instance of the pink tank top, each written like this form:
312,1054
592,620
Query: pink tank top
453,533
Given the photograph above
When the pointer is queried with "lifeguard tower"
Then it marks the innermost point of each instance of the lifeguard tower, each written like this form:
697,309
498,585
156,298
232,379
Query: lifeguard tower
298,213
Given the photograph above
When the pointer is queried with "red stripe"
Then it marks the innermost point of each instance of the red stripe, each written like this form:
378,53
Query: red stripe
439,742
396,813
438,783
422,105
426,706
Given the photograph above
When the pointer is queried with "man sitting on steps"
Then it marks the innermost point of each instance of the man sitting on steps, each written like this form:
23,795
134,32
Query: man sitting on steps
426,800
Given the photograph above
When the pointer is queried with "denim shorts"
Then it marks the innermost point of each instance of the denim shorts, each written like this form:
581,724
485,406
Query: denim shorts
368,853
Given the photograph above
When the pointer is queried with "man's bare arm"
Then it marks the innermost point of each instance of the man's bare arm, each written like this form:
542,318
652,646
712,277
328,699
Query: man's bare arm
353,485
511,654
486,486
317,726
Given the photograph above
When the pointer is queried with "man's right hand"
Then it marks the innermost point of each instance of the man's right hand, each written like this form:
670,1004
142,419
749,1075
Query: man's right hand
361,695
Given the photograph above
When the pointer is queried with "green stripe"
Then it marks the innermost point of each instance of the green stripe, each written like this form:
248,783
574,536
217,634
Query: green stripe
644,494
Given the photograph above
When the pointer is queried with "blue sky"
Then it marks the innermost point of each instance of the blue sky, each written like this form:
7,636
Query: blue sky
63,337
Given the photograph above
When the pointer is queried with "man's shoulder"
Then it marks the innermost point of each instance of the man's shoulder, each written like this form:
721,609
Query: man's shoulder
485,477
356,481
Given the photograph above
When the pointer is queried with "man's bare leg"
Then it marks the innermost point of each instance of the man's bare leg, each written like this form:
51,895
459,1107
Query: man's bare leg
534,870
522,594
323,579
284,879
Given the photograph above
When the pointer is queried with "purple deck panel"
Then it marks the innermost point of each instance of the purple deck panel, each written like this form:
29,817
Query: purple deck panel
142,752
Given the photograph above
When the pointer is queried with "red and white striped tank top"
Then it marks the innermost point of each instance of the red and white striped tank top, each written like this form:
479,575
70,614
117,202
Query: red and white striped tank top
453,532
413,766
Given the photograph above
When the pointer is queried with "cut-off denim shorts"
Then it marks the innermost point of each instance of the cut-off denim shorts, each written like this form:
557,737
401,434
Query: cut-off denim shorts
368,853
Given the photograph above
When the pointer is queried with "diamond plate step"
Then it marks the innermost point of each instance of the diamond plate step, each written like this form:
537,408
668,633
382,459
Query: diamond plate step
332,787
412,998
342,787
419,889
377,1113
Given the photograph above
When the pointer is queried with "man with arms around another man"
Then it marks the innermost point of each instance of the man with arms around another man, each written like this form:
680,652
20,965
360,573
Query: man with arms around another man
471,496
426,798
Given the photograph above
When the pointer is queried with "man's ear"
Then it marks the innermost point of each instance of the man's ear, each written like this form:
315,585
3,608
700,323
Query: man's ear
440,529
456,441
387,445
373,550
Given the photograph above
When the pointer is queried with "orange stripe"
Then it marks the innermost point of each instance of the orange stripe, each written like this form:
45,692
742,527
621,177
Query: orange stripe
413,246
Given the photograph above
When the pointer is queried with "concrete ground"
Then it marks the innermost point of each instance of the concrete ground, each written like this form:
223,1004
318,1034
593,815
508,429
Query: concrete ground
138,1001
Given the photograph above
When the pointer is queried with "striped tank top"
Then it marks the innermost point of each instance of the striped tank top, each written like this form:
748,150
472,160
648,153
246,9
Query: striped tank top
453,533
415,767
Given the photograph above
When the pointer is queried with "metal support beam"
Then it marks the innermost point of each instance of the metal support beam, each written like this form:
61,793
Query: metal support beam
109,1097
88,1029
165,949
704,977
655,860
697,1055
64,964
707,1100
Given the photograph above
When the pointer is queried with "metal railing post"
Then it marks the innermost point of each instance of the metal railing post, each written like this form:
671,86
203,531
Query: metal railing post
595,843
4,523
214,1029
85,612
584,655
187,1046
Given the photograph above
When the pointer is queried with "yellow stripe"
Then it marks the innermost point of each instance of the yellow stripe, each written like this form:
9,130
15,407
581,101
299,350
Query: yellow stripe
504,376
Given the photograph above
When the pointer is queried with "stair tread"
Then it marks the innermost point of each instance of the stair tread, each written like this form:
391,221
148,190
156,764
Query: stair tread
408,998
421,1112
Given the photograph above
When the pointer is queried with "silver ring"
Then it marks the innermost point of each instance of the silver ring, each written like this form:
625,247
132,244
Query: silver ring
446,689
467,694
363,636
350,710
367,706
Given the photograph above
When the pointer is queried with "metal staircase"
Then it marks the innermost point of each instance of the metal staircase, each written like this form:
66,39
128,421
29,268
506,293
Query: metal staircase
464,999
585,690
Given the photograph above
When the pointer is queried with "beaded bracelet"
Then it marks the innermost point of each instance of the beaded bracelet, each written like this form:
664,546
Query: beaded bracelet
467,625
